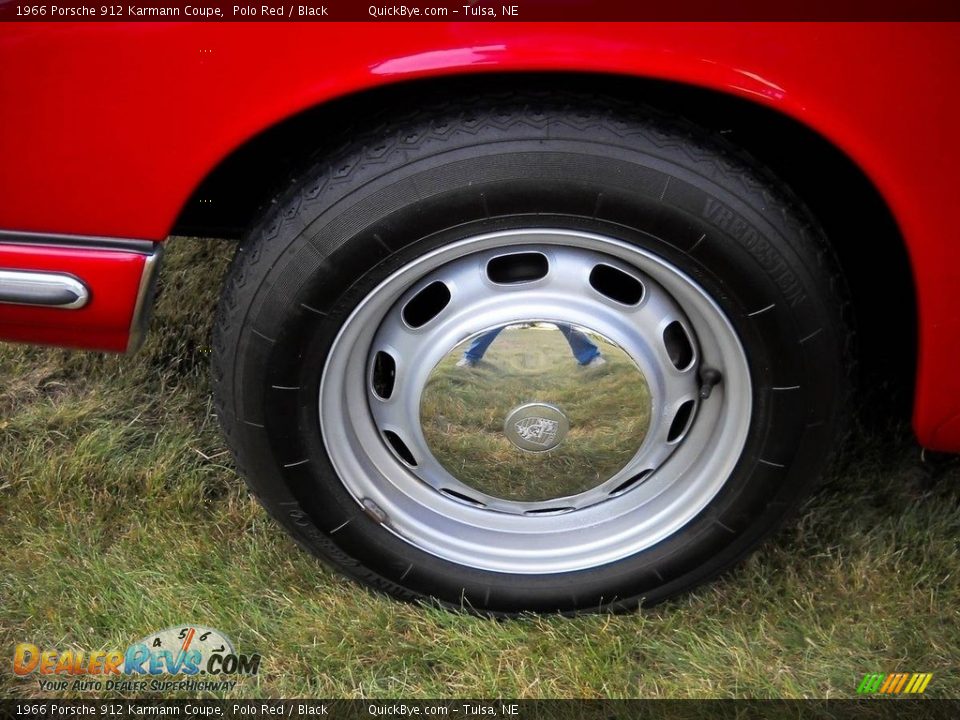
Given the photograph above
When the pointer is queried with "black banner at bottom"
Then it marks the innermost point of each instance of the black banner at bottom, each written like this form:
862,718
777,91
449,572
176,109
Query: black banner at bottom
484,709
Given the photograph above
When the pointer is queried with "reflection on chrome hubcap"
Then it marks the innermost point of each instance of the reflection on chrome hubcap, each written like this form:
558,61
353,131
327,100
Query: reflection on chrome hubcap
530,401
517,413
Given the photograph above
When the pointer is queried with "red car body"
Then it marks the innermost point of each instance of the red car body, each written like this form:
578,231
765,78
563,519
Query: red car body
107,130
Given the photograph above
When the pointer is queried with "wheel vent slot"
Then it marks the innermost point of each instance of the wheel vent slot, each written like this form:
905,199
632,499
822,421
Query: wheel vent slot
426,304
384,375
549,511
678,345
400,448
461,497
616,285
630,483
518,268
681,421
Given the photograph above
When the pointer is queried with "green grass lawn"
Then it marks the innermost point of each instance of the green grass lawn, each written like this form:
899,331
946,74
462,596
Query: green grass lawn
121,514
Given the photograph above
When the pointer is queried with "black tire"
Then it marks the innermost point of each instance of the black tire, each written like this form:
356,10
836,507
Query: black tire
443,173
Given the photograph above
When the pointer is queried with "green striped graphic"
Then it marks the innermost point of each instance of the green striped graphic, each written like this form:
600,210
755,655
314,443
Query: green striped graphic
871,683
894,683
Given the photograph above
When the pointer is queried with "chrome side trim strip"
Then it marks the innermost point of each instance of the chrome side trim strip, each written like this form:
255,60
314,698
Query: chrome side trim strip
145,247
143,310
42,289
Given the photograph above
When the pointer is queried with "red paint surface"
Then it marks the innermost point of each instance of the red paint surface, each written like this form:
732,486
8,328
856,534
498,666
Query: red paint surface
107,129
113,279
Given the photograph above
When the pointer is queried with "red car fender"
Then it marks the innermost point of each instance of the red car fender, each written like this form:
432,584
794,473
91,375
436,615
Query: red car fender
108,128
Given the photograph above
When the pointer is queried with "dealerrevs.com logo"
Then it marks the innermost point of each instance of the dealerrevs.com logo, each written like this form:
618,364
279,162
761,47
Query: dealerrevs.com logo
206,656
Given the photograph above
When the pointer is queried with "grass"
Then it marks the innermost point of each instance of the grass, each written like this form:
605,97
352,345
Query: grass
121,514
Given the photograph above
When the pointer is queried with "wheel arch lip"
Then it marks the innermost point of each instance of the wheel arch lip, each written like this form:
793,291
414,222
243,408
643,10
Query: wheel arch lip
763,63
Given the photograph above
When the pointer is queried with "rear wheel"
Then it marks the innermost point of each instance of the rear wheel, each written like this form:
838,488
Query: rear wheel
537,357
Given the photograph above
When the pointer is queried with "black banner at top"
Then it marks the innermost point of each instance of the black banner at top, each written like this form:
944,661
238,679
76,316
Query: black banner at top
475,10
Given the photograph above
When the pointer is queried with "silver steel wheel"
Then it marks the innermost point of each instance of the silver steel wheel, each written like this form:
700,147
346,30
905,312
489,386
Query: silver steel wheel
528,461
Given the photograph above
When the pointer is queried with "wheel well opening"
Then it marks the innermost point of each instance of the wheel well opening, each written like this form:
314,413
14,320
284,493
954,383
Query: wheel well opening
856,218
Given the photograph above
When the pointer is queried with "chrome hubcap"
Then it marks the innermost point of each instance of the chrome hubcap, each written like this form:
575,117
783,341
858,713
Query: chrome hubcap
532,427
530,401
530,423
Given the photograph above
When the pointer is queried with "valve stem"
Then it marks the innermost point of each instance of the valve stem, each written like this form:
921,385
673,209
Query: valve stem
708,378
